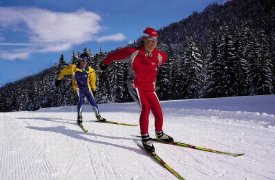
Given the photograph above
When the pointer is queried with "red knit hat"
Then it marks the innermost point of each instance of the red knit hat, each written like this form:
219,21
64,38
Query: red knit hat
150,32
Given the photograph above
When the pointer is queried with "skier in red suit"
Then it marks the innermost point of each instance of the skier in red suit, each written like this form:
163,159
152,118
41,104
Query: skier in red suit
143,62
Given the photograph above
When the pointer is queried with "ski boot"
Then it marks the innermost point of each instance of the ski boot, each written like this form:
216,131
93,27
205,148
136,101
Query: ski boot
147,143
99,118
79,123
79,120
161,136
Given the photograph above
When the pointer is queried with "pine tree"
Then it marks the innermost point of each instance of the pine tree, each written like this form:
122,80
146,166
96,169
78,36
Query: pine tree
214,73
253,74
97,59
241,65
115,81
228,59
74,58
102,83
177,83
265,65
192,70
164,78
260,60
61,61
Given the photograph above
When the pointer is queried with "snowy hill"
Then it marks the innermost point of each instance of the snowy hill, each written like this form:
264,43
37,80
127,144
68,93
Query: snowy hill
47,144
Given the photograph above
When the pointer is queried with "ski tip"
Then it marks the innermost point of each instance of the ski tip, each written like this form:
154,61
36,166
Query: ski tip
237,155
117,123
83,128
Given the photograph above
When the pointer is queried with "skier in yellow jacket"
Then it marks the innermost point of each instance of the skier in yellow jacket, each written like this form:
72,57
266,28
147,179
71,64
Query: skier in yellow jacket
84,83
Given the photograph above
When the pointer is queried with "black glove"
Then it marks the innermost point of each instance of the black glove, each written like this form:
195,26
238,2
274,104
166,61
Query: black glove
102,66
57,83
104,76
94,93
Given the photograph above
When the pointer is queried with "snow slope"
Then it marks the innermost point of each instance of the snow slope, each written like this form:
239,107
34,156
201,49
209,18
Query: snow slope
47,144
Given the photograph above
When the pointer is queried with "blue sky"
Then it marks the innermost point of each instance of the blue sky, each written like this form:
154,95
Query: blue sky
34,33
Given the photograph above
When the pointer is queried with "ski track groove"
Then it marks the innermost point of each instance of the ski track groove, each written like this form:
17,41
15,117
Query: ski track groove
107,157
236,167
73,159
176,151
104,164
92,163
153,166
48,165
146,169
241,144
37,170
16,153
20,164
173,156
142,162
8,130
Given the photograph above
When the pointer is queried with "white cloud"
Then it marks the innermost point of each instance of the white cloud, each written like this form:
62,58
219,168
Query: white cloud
14,55
15,44
49,31
115,37
56,48
50,27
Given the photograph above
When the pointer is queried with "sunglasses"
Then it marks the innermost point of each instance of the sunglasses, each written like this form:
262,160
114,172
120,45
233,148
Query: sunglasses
85,59
150,38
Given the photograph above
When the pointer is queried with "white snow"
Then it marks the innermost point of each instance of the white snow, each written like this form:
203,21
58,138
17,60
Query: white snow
47,144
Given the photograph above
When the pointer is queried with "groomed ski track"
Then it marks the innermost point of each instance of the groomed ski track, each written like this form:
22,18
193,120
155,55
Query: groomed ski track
47,144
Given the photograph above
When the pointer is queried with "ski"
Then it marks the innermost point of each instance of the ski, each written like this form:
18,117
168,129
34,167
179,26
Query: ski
199,148
83,128
117,123
181,144
160,161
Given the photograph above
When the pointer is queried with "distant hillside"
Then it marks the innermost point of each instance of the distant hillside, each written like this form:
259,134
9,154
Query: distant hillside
236,15
235,45
227,50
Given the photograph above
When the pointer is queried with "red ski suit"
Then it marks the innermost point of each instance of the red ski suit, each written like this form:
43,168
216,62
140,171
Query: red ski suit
141,81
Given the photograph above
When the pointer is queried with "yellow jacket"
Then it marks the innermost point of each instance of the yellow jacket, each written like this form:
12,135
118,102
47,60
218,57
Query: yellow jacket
73,69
